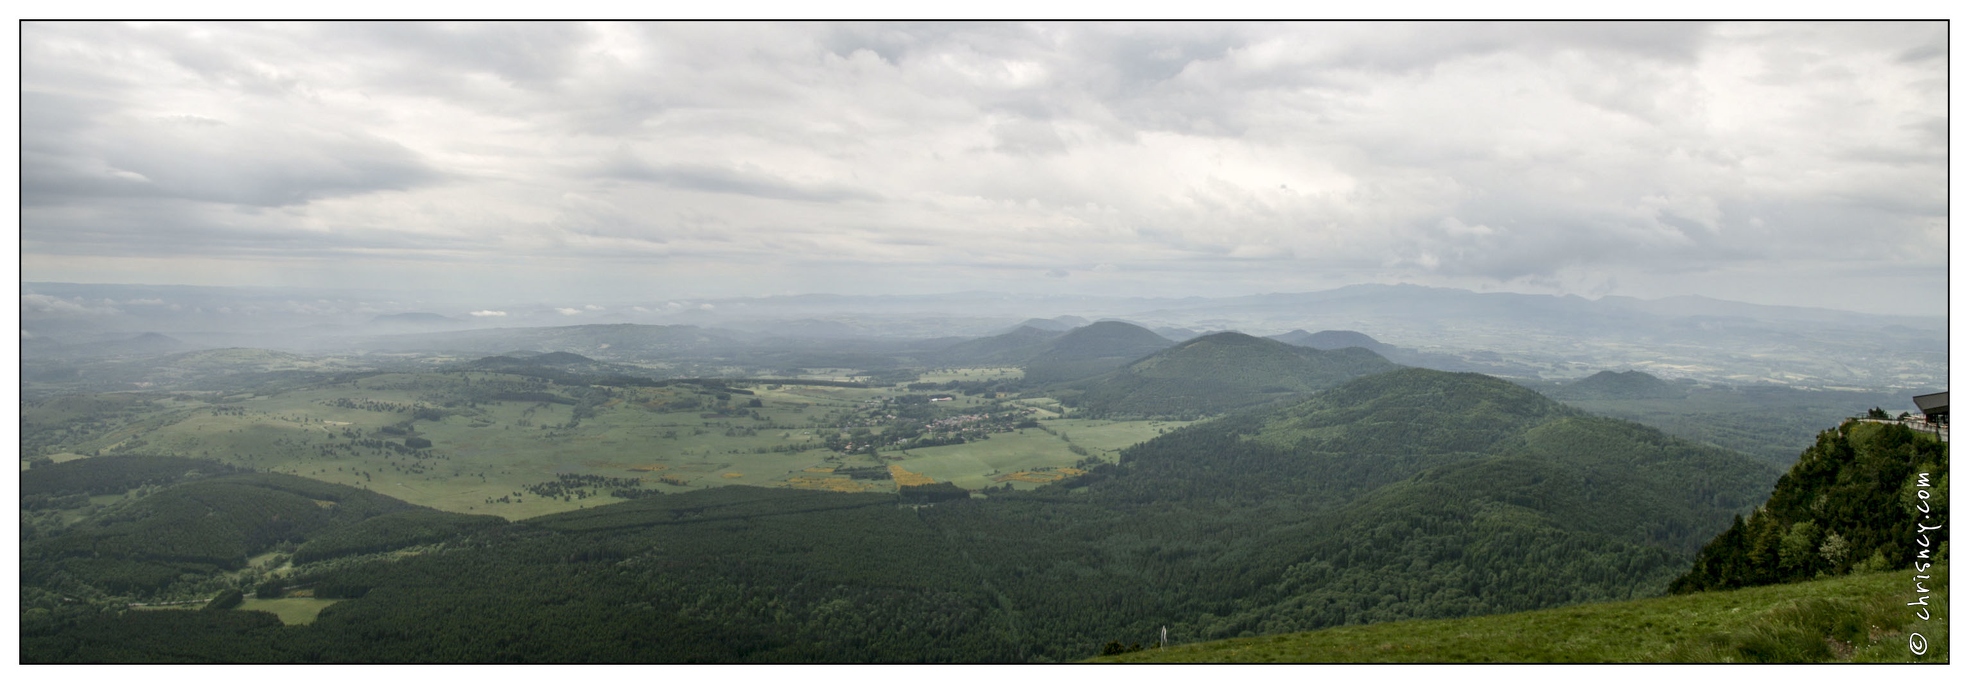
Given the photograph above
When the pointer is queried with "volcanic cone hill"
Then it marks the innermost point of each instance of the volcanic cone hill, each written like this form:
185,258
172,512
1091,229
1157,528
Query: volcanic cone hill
1092,350
1621,385
1222,372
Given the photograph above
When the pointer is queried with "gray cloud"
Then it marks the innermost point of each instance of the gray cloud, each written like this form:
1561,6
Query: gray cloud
1027,138
533,55
196,158
1220,157
745,180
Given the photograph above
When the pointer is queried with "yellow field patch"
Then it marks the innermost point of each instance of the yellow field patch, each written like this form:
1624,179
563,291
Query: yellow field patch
733,476
906,478
1040,475
832,484
648,468
820,469
291,611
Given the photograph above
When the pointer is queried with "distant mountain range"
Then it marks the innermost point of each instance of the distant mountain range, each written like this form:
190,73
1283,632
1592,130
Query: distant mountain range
1519,335
103,346
617,340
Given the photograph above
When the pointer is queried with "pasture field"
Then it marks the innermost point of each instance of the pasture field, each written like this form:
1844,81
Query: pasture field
970,375
1109,436
521,447
976,465
291,611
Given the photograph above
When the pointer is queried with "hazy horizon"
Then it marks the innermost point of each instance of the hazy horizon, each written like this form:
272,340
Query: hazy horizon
440,297
1790,164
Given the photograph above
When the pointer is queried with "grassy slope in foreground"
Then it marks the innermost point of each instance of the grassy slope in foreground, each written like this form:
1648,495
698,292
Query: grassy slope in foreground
1860,618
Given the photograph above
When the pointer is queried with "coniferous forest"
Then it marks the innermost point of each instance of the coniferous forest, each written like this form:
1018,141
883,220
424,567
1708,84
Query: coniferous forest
1409,494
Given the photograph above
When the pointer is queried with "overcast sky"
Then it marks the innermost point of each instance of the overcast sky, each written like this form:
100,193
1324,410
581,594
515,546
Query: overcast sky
1795,163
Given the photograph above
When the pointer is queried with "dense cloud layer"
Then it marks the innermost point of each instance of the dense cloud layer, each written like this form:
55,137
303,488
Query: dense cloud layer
1796,163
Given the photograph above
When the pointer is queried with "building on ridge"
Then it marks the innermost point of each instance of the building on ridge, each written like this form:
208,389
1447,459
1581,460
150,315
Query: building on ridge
1934,407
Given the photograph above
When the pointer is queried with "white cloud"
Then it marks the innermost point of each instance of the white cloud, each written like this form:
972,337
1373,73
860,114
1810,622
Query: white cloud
50,305
488,313
565,311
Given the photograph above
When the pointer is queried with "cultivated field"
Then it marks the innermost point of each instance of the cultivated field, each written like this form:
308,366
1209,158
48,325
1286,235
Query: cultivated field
977,465
291,611
520,447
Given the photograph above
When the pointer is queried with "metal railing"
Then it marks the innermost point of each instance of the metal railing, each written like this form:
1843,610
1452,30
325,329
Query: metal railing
1939,430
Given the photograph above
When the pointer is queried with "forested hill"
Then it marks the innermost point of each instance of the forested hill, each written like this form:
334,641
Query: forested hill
1334,339
1444,495
1866,497
1092,350
192,518
1401,495
1414,427
1220,372
1012,348
1621,385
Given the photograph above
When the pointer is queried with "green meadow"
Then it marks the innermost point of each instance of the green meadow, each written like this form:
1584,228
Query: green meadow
1854,618
993,462
486,452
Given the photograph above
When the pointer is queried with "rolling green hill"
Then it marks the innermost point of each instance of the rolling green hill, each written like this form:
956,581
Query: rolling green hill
185,516
1848,537
1327,340
1622,385
1437,491
1221,372
1010,349
1772,423
106,475
1092,350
